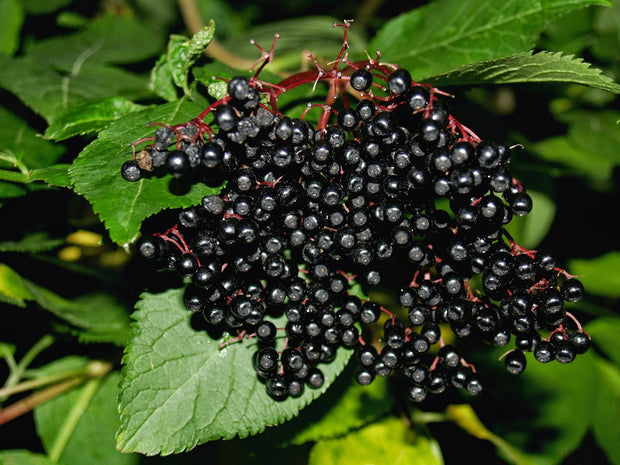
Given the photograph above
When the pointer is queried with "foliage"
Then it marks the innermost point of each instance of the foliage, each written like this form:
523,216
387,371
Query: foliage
82,81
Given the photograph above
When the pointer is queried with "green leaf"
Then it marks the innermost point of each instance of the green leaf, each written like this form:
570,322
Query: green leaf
600,275
528,231
604,334
465,417
94,317
11,20
12,287
50,92
68,364
589,149
344,407
23,457
97,419
89,118
174,395
108,40
388,441
172,69
539,422
72,20
17,137
123,205
447,34
595,132
606,427
161,80
42,7
572,33
218,89
55,175
580,161
181,56
529,67
10,190
32,243
7,350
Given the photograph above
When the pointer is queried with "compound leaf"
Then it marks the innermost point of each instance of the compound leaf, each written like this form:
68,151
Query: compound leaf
182,55
529,67
50,92
179,389
93,317
19,138
32,243
89,117
120,204
55,175
107,40
462,33
172,68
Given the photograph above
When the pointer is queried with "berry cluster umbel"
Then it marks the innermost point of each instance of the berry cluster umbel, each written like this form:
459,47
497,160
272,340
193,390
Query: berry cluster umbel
310,210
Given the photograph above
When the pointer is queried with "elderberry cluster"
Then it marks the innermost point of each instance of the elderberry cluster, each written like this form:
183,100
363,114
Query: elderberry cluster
310,211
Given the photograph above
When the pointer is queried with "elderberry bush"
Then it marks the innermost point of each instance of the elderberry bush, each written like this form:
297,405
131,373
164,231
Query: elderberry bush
390,180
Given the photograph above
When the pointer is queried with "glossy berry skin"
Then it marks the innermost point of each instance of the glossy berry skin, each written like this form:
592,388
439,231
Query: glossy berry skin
417,98
581,341
572,290
473,384
266,360
364,376
449,356
565,351
277,387
544,352
130,170
392,186
266,331
177,163
152,247
417,393
361,80
399,81
315,379
348,119
520,203
515,362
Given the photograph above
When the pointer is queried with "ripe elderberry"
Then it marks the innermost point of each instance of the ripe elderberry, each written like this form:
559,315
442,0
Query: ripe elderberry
310,215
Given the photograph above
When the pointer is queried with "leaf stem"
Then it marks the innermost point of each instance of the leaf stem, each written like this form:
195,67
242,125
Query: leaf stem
39,382
72,419
25,405
14,176
27,359
95,371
